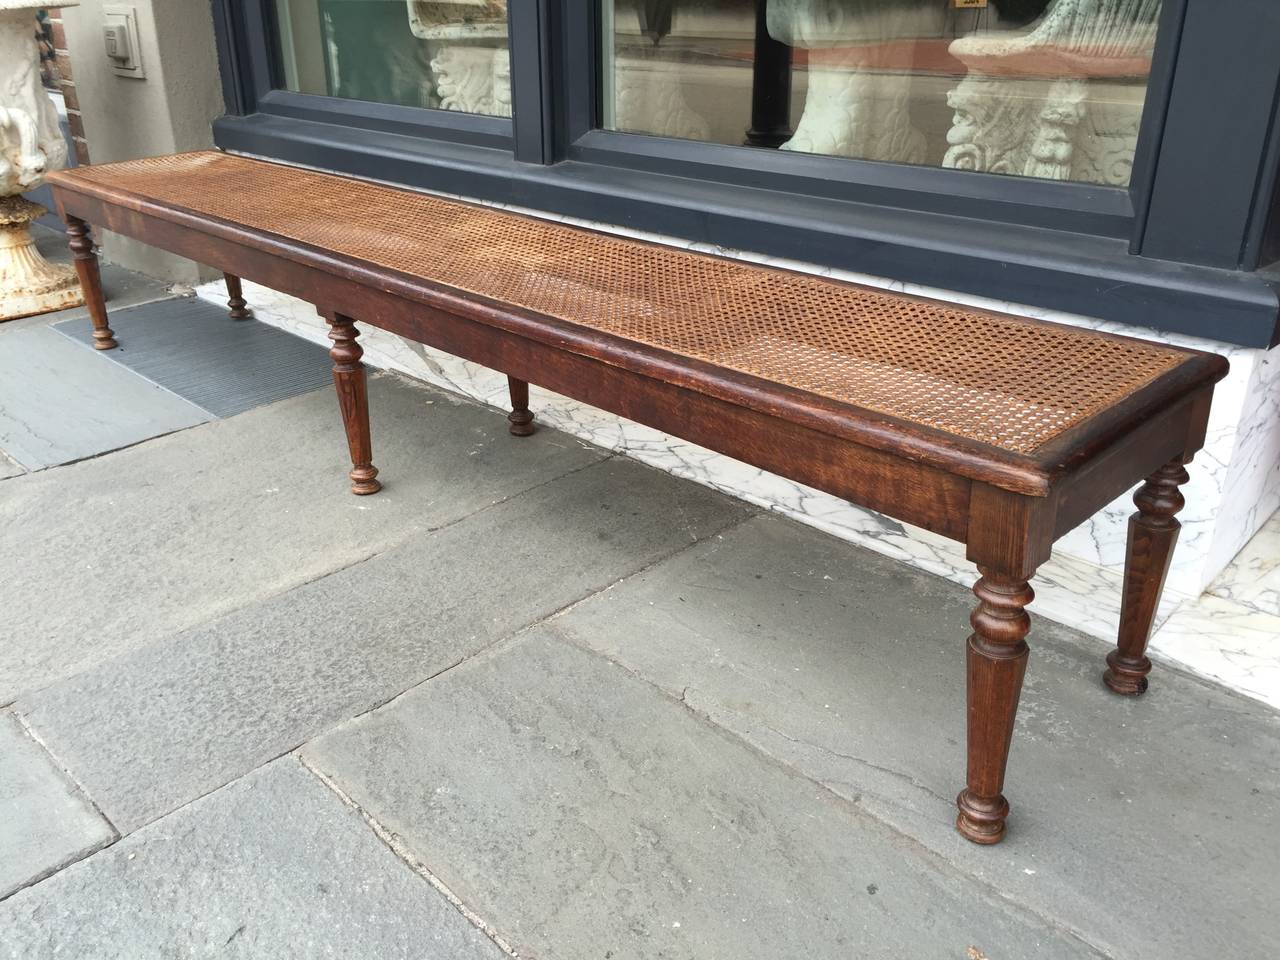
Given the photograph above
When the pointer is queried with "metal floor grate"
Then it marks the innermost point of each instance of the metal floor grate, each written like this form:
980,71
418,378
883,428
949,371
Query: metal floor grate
225,366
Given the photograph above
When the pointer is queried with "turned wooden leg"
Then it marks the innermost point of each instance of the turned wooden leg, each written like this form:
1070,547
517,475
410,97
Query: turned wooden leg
997,660
519,420
1153,532
353,398
236,303
90,282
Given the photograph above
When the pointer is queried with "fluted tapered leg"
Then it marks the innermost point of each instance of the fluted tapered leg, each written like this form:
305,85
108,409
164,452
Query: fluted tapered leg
353,398
997,661
90,282
519,420
237,306
1153,533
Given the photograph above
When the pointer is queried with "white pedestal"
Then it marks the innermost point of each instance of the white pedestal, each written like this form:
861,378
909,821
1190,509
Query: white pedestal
31,145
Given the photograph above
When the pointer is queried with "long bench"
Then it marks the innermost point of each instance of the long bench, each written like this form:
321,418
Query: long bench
999,432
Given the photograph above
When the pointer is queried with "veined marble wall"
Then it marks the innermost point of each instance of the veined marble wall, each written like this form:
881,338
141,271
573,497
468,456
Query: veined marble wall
1234,488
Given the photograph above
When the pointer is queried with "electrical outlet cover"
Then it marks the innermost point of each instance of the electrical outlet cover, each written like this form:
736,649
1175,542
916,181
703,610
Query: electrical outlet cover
119,14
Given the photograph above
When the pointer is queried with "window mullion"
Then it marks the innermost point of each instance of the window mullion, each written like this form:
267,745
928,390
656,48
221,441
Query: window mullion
531,58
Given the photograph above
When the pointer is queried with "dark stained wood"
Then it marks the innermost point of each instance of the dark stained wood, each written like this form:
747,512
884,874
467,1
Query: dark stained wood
86,261
1153,532
353,399
897,483
1009,532
237,306
519,420
1111,473
1008,508
135,215
997,661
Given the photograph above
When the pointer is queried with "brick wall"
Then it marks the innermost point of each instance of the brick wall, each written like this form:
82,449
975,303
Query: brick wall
66,78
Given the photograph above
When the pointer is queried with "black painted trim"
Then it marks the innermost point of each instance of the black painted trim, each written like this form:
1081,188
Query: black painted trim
390,118
1216,133
528,26
227,33
1085,208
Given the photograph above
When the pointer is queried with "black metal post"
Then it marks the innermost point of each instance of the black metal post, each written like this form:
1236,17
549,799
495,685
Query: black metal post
770,87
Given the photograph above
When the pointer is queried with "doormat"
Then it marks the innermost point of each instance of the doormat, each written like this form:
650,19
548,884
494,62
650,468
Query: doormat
192,348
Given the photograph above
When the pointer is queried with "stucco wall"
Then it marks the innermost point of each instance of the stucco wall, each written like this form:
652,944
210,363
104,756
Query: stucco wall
168,111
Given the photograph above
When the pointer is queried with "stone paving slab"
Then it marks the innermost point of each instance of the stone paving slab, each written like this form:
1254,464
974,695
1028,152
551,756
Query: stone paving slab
110,554
160,725
273,866
584,814
45,823
60,402
1137,823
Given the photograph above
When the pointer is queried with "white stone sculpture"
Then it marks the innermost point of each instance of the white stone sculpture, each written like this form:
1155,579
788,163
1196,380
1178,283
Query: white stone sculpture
470,63
471,69
650,99
31,145
857,103
1082,127
649,88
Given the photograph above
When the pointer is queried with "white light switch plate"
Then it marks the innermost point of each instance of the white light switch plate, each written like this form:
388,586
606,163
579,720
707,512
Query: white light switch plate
118,14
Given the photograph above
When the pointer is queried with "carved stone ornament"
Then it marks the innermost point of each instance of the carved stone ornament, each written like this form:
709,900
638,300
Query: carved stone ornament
31,144
1082,127
471,70
470,63
650,99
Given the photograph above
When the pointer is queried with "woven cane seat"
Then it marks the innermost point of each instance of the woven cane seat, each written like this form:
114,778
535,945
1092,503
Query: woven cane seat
1012,383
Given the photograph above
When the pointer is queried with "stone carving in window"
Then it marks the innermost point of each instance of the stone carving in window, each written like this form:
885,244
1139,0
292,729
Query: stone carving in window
1083,125
470,62
1040,88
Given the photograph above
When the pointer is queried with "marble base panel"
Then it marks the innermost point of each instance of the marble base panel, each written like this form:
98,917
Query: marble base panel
1252,579
1229,642
1080,586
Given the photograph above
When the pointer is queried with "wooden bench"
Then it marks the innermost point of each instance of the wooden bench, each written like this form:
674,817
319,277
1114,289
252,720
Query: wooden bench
999,432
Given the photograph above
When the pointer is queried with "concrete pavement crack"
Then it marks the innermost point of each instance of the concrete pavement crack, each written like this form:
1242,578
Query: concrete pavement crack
401,850
861,761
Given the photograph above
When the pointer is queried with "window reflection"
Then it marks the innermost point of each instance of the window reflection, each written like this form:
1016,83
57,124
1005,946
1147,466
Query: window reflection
1041,88
451,56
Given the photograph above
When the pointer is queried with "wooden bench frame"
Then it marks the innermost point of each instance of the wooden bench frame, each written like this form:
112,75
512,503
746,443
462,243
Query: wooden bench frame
1007,508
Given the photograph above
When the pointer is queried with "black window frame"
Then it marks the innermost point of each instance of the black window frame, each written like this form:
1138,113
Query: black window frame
1177,250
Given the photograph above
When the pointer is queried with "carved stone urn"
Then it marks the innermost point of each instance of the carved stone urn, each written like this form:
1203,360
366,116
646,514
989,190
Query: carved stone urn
858,99
31,144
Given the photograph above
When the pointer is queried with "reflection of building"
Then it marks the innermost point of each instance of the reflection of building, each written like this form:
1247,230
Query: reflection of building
1059,98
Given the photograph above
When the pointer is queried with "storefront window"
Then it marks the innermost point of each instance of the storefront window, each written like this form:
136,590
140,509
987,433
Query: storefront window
414,53
1038,88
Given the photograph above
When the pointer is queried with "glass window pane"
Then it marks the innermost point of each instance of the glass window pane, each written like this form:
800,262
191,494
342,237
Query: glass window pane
410,52
1037,88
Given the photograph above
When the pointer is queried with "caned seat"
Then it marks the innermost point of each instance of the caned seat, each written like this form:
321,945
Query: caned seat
997,382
